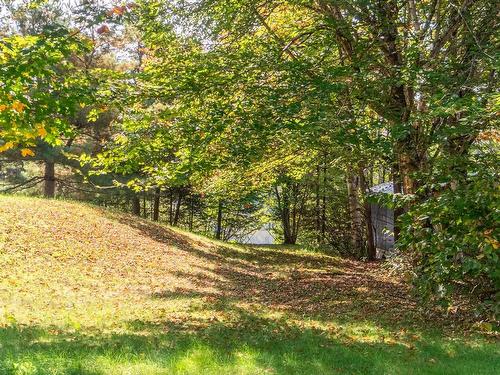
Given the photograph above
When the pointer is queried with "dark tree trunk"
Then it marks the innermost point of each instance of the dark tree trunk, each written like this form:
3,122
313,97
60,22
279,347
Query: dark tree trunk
370,241
178,208
398,211
144,211
49,188
218,229
191,212
318,206
355,212
156,205
171,207
288,238
323,209
288,218
136,205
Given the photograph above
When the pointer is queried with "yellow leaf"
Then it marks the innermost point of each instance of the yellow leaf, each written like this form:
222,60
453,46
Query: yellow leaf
6,146
3,107
18,106
41,131
27,152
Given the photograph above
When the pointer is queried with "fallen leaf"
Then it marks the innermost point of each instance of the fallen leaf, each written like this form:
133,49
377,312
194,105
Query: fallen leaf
103,29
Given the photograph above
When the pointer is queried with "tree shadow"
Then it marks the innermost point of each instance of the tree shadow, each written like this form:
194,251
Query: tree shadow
254,310
321,286
218,250
249,343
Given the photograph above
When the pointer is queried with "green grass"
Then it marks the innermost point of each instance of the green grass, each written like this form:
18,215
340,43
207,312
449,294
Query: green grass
88,291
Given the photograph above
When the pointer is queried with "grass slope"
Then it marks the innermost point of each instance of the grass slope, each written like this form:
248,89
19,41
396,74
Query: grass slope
89,291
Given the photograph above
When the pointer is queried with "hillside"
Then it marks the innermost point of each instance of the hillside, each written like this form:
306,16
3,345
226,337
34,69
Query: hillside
84,290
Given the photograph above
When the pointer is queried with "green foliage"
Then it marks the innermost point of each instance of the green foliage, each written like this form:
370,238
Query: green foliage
40,87
453,236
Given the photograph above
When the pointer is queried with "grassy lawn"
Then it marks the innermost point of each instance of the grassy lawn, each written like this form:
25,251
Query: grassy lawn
88,291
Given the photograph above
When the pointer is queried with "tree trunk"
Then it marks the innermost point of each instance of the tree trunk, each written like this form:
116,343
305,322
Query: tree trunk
171,207
323,209
178,208
318,206
289,237
398,211
49,188
370,241
156,205
283,199
136,205
191,212
218,229
355,212
402,100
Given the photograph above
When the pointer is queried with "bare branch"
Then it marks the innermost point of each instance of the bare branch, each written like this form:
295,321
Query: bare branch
31,182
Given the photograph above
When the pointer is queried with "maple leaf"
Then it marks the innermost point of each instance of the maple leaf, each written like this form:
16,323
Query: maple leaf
27,152
18,106
6,146
41,131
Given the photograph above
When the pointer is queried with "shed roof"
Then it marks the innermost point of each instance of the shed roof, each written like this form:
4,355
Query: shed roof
385,188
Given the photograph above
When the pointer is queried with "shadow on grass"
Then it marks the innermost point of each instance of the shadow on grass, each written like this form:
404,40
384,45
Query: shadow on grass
264,314
230,252
317,285
249,344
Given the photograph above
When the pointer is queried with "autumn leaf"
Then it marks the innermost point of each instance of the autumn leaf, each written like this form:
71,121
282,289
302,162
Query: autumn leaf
3,107
103,29
6,146
29,135
41,131
27,152
118,10
18,106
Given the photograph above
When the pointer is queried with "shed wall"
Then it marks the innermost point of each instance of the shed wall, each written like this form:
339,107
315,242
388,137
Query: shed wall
383,222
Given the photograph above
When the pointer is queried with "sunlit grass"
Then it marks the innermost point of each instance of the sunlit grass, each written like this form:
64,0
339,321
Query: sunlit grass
88,291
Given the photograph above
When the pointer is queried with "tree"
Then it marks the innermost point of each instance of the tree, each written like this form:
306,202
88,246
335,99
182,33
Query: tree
46,84
298,105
